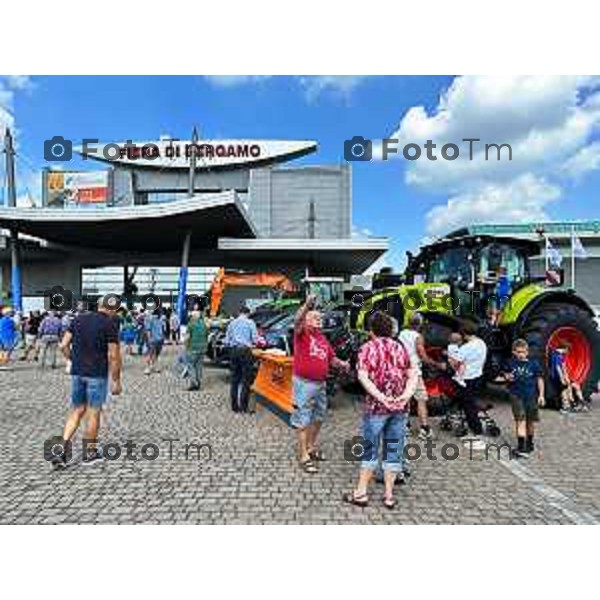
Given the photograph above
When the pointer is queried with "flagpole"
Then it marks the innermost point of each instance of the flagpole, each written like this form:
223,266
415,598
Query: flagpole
573,256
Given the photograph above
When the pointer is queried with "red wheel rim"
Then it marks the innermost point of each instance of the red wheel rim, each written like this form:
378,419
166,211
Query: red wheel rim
578,360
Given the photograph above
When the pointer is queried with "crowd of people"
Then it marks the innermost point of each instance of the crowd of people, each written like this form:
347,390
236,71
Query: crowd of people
389,369
35,336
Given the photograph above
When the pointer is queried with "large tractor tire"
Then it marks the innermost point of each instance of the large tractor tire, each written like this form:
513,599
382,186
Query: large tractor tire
556,324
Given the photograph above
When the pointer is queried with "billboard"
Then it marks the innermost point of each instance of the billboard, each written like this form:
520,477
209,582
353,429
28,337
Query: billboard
67,189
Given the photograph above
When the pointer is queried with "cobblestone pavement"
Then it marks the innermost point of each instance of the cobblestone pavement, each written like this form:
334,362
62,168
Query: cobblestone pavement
249,473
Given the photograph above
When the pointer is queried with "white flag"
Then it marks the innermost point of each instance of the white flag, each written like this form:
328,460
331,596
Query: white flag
578,250
554,256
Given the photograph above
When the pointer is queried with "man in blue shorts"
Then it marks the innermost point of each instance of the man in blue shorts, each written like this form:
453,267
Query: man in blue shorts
92,345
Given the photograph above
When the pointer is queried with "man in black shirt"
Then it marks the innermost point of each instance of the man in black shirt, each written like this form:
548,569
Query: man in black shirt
92,345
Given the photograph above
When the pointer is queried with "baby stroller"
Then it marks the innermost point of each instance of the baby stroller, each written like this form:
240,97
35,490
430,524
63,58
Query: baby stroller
454,420
442,392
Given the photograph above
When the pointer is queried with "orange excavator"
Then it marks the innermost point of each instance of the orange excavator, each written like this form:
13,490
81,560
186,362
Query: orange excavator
225,280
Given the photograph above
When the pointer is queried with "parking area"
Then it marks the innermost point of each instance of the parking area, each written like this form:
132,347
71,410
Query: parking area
243,469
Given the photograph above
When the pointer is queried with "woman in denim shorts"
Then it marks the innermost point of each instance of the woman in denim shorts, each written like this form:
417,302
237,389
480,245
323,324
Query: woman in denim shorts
389,379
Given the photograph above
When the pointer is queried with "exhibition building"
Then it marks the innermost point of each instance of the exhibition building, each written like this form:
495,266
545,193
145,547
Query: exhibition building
158,207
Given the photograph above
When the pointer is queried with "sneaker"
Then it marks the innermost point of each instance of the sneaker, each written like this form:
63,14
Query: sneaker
147,371
525,453
93,456
475,444
516,453
566,410
425,433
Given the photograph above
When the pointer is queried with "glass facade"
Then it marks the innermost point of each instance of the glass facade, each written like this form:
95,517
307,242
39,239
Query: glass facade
162,281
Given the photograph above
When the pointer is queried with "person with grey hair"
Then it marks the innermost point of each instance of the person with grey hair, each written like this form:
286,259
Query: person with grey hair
412,339
92,345
241,336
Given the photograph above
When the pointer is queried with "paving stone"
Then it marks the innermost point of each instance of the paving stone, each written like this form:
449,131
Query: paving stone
250,474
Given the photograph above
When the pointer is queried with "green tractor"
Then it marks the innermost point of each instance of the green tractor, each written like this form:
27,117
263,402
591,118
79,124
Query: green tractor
489,279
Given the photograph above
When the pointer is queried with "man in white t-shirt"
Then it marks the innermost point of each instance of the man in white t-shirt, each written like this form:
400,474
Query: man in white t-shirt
472,355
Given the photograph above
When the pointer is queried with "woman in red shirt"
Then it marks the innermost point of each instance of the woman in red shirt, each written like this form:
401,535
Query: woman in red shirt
389,380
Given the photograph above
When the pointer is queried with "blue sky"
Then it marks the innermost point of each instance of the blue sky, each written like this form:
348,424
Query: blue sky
551,123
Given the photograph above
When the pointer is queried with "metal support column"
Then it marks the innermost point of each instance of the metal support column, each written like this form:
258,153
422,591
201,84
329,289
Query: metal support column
15,273
183,276
15,283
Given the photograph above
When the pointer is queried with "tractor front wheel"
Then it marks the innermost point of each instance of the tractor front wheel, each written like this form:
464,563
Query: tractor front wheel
565,325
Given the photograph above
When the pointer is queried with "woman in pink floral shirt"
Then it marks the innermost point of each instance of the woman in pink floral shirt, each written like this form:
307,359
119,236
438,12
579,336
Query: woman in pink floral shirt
389,380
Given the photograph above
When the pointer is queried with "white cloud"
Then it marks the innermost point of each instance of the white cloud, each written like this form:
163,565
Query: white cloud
524,199
312,86
234,80
19,82
6,109
586,160
544,119
550,122
361,232
28,180
341,86
9,85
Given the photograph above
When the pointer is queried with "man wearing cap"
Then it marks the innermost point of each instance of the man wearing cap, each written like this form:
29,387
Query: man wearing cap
92,345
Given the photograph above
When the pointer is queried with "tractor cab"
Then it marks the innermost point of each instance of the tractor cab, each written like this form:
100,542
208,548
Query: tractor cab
481,271
328,290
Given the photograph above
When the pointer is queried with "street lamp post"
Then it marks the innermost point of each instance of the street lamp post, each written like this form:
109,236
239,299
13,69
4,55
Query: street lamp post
185,253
